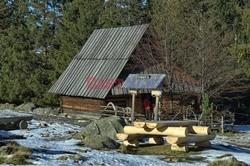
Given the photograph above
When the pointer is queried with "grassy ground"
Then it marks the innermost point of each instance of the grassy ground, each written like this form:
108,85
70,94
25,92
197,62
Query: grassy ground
12,153
165,150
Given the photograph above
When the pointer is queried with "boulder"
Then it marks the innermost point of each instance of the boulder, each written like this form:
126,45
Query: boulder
100,142
227,161
27,107
109,126
46,111
101,133
7,106
91,129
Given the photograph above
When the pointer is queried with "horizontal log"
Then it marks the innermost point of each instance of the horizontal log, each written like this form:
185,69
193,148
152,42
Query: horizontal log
139,124
123,136
159,124
200,130
173,131
189,139
205,144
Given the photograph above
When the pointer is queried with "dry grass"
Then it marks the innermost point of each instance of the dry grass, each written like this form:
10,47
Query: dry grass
158,150
12,153
170,156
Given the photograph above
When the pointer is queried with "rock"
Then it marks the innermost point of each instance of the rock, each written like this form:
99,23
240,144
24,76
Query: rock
77,158
42,124
105,126
44,147
63,158
45,135
100,142
101,133
110,126
227,161
82,121
28,107
7,106
47,111
91,129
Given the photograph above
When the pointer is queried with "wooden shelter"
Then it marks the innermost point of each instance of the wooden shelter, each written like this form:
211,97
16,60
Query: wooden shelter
96,73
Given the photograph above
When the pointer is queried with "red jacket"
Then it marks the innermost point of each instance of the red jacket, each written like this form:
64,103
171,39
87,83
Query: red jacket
147,104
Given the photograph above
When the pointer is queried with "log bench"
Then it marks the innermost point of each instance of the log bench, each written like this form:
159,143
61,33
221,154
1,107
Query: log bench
177,133
14,120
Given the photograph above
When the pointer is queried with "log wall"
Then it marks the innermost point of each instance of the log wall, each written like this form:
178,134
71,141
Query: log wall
80,103
168,107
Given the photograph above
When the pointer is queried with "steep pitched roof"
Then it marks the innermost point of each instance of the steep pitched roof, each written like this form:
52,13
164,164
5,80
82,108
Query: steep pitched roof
103,56
178,82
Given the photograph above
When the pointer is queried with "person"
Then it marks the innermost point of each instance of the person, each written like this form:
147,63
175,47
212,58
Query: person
147,107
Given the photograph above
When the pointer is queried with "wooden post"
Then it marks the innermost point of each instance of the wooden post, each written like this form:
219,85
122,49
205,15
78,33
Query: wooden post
222,124
156,108
133,108
179,147
212,119
156,140
133,143
157,94
133,92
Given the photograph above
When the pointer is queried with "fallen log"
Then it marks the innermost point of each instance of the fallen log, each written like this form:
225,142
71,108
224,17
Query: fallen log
179,147
159,124
200,130
189,139
173,131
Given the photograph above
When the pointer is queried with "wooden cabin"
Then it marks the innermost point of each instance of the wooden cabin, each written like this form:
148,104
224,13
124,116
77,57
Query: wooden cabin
106,60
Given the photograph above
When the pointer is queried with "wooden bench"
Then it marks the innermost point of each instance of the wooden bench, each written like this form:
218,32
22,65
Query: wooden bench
19,120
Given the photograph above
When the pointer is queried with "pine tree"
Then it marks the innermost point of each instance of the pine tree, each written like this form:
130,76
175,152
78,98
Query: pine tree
79,20
241,49
118,13
16,61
